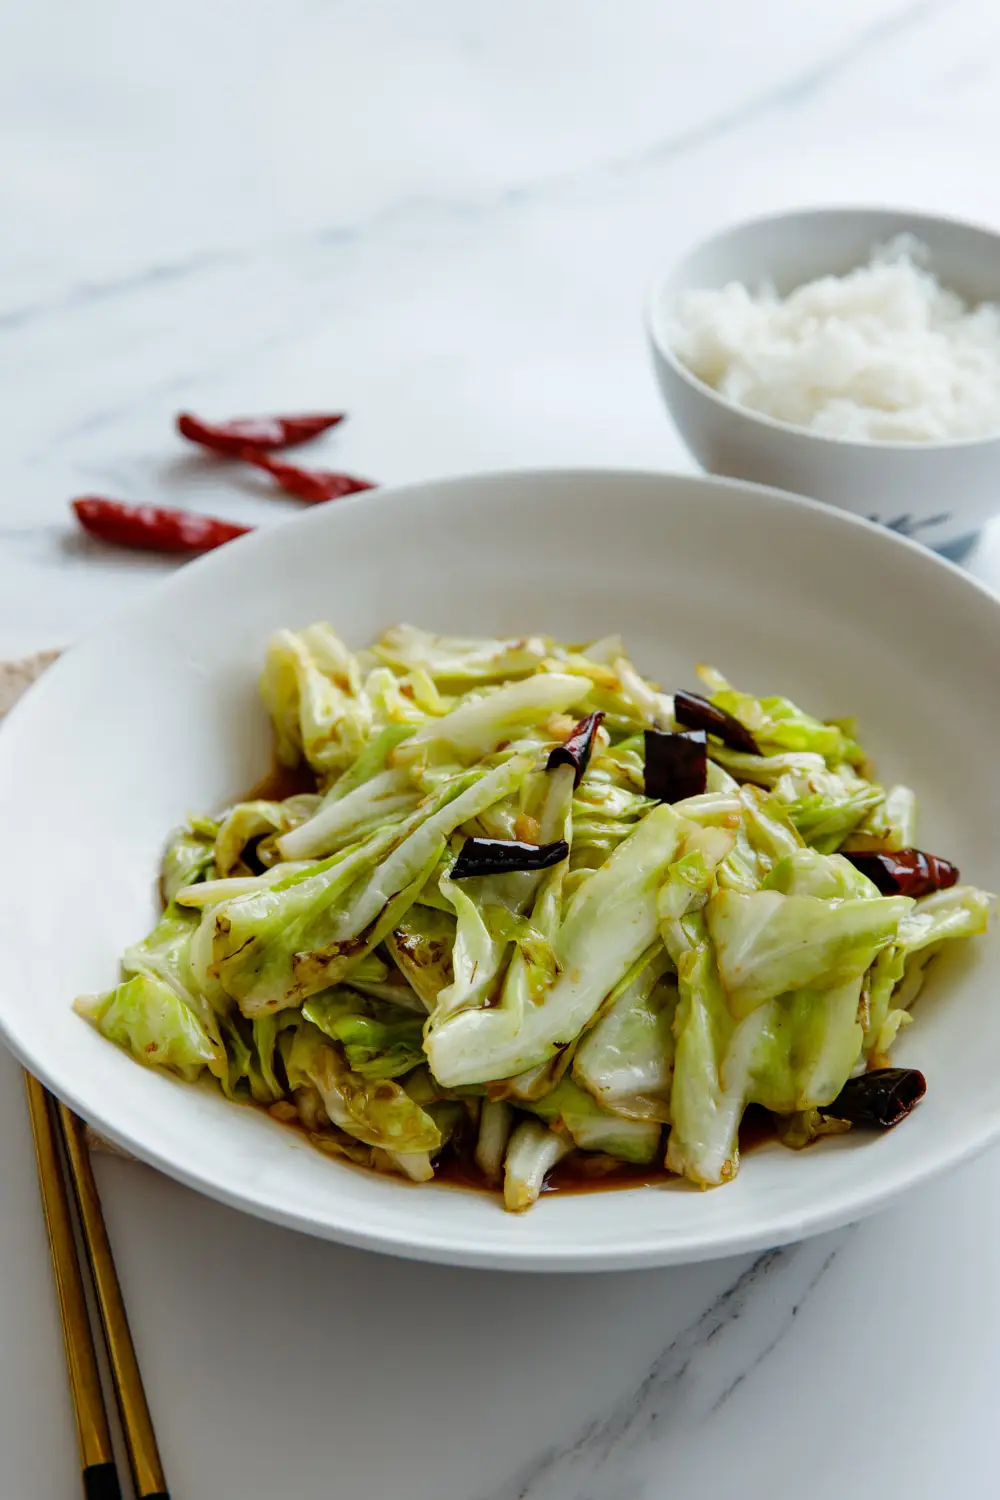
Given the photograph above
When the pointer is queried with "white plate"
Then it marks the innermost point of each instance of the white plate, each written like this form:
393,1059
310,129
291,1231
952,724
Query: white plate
157,715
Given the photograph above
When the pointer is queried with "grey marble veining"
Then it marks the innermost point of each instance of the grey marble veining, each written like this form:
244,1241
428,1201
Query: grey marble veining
443,217
689,1382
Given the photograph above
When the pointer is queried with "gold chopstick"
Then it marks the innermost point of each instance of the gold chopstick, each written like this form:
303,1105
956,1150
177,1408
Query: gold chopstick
137,1425
100,1473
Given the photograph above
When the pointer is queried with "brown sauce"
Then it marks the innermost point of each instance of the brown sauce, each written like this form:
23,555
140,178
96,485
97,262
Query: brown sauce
281,782
579,1173
576,1175
587,1174
758,1128
583,1173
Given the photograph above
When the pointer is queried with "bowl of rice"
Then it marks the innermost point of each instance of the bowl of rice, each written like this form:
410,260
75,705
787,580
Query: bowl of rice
852,355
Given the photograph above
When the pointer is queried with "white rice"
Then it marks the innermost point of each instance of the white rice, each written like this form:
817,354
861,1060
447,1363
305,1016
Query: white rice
883,353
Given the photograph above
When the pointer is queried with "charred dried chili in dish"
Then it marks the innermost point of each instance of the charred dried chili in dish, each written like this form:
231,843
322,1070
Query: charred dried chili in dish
694,711
880,1099
259,434
676,764
905,872
153,528
506,857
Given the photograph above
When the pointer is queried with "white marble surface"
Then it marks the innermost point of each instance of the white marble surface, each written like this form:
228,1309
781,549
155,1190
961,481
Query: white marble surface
442,217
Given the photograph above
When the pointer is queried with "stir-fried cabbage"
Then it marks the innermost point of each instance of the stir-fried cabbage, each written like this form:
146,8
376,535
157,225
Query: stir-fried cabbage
328,955
146,1016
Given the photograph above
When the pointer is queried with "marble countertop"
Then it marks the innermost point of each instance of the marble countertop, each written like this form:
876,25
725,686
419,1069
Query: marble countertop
442,217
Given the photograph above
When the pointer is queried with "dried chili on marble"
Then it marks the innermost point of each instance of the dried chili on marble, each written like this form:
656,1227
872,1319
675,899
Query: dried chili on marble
315,486
259,434
153,528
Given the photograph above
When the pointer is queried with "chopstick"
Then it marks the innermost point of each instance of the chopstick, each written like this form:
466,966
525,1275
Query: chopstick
137,1424
100,1473
50,1120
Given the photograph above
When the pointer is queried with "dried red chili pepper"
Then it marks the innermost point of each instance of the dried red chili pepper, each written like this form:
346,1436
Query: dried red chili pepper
905,872
261,434
577,748
312,485
878,1100
696,712
505,857
676,765
151,528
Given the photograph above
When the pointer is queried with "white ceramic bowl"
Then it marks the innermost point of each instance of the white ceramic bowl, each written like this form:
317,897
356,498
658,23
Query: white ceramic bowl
939,493
158,714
